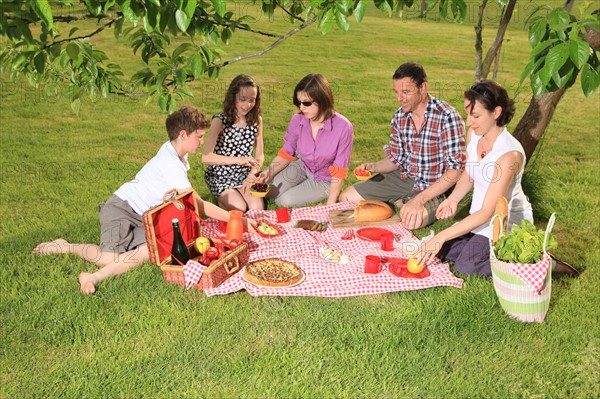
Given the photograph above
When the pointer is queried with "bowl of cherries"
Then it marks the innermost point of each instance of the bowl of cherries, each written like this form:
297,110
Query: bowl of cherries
260,189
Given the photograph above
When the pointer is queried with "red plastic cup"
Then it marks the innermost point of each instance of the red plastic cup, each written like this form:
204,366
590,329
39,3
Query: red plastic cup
372,264
222,227
387,242
283,215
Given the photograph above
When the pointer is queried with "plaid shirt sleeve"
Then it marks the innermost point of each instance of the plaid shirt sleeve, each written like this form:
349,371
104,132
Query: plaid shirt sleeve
395,150
453,141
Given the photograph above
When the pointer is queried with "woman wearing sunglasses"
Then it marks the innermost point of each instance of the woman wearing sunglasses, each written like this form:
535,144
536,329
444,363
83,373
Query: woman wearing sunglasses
313,162
495,163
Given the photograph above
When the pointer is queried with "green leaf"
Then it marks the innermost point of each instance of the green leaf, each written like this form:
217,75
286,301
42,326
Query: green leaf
537,32
40,62
220,7
189,8
73,51
76,105
23,29
556,58
558,20
196,66
182,20
43,10
94,6
342,21
183,47
226,35
383,6
129,14
163,101
108,5
208,54
213,72
537,85
324,20
532,66
359,10
579,52
180,76
562,79
343,6
590,79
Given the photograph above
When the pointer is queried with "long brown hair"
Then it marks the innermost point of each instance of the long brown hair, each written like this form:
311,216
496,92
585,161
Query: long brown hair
235,87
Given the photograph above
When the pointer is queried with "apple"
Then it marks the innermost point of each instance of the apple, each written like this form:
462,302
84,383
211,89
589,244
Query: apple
201,244
414,267
212,253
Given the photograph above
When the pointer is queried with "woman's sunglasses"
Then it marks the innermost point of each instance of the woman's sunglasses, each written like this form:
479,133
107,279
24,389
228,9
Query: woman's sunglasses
305,103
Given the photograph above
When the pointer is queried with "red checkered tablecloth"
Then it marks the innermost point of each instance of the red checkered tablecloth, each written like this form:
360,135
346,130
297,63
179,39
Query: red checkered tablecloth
323,278
533,275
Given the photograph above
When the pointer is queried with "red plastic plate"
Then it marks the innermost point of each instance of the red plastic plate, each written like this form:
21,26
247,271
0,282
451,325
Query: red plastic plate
260,233
371,233
397,266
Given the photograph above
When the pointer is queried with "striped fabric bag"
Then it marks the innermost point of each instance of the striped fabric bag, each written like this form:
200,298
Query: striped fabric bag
523,289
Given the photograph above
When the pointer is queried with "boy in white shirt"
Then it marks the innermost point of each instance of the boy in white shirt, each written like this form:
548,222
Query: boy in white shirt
122,239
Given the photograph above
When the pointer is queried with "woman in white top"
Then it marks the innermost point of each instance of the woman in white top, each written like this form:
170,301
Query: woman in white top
495,163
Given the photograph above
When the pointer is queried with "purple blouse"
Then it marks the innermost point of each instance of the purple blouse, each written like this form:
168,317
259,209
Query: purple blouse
329,154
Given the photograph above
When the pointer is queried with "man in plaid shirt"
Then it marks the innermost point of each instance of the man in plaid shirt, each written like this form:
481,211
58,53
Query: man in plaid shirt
425,155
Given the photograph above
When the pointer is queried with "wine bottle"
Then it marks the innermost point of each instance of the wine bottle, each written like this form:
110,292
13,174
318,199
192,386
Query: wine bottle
179,251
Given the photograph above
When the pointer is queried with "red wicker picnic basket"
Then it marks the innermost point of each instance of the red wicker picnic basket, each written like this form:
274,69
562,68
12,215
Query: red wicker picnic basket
159,236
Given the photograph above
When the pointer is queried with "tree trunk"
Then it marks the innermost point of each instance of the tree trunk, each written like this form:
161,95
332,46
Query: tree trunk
536,119
494,49
479,40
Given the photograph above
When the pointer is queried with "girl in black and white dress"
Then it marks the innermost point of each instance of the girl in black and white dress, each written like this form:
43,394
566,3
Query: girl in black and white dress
228,150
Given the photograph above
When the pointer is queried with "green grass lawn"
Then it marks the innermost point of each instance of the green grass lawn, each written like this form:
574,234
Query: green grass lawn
140,338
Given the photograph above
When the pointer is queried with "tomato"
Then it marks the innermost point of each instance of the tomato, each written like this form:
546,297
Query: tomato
361,172
212,253
233,244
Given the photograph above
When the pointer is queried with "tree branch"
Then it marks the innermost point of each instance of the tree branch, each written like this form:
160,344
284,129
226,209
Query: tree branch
100,29
272,46
287,12
258,32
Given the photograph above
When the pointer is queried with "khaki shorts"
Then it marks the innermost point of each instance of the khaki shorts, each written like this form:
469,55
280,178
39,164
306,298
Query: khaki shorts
390,187
121,228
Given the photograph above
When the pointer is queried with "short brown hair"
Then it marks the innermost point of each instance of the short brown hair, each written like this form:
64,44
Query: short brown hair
491,95
186,118
317,88
411,70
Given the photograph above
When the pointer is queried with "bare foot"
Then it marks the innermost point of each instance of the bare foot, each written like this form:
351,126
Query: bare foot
87,283
58,246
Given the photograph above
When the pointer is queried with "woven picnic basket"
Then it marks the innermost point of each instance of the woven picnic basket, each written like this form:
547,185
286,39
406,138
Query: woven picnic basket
517,299
159,236
232,260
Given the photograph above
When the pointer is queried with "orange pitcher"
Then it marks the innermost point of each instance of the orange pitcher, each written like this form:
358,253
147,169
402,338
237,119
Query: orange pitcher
235,226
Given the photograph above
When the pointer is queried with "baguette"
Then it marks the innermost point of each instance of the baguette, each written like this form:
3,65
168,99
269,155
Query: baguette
502,211
372,211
